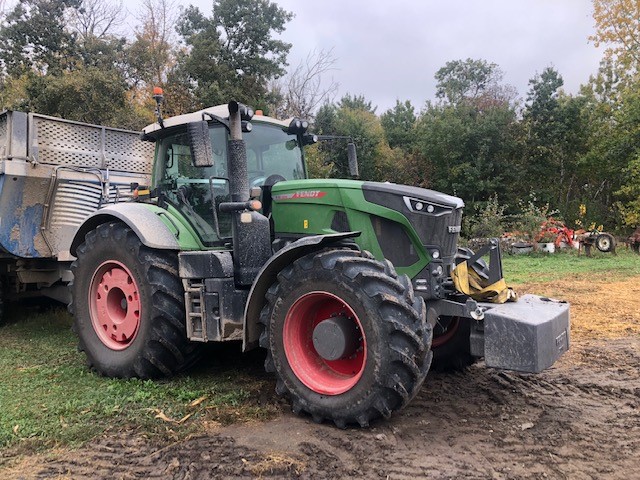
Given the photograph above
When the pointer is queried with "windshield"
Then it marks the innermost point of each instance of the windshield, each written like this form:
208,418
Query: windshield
271,152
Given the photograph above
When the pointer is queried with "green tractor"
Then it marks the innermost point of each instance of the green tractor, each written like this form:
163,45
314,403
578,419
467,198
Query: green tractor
346,284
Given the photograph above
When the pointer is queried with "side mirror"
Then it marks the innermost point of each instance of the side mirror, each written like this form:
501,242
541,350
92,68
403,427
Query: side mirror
353,159
200,144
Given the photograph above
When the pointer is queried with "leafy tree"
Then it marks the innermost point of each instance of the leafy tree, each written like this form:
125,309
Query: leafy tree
150,56
610,166
468,152
544,129
555,143
467,142
618,28
356,102
34,37
89,95
629,194
543,95
399,125
354,116
62,58
233,53
472,81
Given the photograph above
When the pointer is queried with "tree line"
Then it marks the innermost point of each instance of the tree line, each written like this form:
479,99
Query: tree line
577,155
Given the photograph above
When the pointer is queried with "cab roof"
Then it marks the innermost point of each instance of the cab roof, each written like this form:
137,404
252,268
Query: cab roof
219,110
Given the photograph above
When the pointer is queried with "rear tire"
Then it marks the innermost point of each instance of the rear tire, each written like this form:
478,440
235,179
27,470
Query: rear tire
128,304
393,338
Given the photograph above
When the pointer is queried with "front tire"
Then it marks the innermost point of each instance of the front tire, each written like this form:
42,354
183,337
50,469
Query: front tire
451,344
128,304
386,354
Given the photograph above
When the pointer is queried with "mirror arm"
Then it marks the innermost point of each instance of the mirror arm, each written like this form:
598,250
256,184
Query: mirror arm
224,122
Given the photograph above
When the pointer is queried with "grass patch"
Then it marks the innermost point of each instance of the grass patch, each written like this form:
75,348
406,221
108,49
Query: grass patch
543,267
50,398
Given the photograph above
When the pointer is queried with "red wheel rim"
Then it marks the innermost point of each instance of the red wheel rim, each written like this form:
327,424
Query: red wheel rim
114,304
440,339
321,375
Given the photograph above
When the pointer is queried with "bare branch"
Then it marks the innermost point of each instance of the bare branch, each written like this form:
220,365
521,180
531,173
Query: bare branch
303,89
96,19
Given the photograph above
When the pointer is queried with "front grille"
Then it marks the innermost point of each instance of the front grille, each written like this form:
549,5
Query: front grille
434,231
450,240
394,242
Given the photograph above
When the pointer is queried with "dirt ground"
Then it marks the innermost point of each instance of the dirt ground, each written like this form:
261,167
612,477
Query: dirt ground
579,419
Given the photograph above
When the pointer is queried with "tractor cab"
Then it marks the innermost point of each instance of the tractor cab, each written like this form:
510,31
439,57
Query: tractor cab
273,153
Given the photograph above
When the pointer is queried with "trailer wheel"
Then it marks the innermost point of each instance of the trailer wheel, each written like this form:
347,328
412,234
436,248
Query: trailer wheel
605,242
347,338
129,306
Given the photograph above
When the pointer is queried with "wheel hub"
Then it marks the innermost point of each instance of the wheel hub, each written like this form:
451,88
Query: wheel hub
336,338
115,306
324,343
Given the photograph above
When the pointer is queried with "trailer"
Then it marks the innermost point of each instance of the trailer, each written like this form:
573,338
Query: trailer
54,173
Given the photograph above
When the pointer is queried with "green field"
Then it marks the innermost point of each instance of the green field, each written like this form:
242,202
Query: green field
543,267
48,397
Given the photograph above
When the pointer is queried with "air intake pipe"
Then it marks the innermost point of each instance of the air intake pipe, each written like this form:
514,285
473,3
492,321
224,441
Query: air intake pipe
251,234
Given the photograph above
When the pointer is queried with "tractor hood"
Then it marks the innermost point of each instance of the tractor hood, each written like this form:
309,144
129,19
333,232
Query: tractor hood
312,190
400,223
373,189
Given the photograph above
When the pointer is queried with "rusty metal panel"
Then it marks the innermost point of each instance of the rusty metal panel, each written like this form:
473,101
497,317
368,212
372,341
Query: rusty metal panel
21,214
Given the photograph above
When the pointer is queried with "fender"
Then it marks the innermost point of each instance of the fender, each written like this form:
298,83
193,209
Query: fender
142,218
269,272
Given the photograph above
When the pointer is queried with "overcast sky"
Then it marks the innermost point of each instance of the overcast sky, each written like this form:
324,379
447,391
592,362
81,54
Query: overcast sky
391,49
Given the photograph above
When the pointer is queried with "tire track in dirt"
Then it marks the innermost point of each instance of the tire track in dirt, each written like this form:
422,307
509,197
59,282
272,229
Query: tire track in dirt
580,419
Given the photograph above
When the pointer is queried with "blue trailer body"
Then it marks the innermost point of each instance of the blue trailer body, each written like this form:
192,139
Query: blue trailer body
55,173
19,223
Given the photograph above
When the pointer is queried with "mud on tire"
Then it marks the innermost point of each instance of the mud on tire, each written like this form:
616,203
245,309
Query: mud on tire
128,304
393,355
